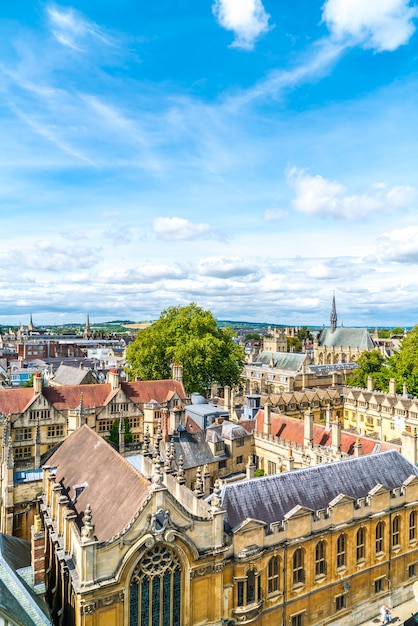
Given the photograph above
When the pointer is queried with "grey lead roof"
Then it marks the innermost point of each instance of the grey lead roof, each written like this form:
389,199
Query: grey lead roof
347,338
270,498
283,360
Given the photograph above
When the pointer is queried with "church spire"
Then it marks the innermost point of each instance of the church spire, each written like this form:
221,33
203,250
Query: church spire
333,318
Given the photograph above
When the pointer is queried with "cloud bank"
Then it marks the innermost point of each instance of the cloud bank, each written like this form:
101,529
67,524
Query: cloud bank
382,25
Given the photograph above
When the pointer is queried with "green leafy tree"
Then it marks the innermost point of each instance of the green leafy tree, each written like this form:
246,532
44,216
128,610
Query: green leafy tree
403,365
384,333
252,336
114,432
370,364
304,333
190,336
397,331
293,342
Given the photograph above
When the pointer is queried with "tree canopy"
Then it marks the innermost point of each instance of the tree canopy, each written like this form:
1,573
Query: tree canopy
402,366
189,336
370,364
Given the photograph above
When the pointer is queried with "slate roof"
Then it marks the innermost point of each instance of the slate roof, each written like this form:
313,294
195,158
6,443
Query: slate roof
114,489
347,338
270,498
292,429
195,450
67,375
292,361
17,599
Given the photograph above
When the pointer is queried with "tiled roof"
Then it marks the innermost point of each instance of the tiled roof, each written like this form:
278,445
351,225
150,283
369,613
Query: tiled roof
270,498
159,390
292,430
115,490
15,401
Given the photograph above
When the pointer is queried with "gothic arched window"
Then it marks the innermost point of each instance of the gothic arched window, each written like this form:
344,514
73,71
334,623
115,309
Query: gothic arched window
155,589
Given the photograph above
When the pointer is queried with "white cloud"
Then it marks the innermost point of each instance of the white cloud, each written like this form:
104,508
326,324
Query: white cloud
246,18
317,196
225,267
321,271
70,28
178,228
273,215
377,24
400,245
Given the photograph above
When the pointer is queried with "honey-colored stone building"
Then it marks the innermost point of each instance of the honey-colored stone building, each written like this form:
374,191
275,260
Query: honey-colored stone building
322,545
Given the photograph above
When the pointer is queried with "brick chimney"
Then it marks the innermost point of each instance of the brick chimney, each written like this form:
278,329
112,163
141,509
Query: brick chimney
267,417
38,551
308,419
113,379
37,383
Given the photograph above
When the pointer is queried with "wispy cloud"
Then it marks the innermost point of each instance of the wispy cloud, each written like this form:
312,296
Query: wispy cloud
318,197
222,267
246,18
178,228
377,24
72,29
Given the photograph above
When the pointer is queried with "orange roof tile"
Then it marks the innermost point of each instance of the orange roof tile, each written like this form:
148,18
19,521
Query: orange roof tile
292,429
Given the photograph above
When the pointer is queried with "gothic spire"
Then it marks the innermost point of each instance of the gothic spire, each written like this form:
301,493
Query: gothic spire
333,318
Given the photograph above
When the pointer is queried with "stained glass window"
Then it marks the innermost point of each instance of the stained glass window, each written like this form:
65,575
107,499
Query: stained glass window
155,589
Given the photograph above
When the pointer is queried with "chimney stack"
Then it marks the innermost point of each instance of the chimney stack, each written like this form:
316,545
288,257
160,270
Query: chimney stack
308,429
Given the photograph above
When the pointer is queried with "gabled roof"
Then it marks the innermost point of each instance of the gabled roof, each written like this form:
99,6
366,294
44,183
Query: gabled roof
270,498
16,401
114,489
347,338
67,375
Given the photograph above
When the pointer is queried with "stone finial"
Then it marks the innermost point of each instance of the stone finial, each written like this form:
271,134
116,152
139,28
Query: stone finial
87,532
145,446
215,502
198,486
158,435
10,458
6,432
167,464
172,451
157,477
81,409
180,471
38,433
121,426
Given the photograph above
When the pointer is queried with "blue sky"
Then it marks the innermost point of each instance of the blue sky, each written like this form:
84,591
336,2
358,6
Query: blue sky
251,156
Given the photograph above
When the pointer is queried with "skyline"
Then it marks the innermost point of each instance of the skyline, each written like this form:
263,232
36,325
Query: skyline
233,153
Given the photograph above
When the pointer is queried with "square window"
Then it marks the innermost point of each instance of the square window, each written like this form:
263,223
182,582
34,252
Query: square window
379,585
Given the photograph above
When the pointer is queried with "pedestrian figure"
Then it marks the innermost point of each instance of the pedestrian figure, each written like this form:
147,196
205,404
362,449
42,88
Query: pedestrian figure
386,614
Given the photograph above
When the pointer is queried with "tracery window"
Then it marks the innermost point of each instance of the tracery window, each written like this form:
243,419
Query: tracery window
320,562
273,575
341,551
379,537
249,589
155,589
396,531
298,569
361,544
412,526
